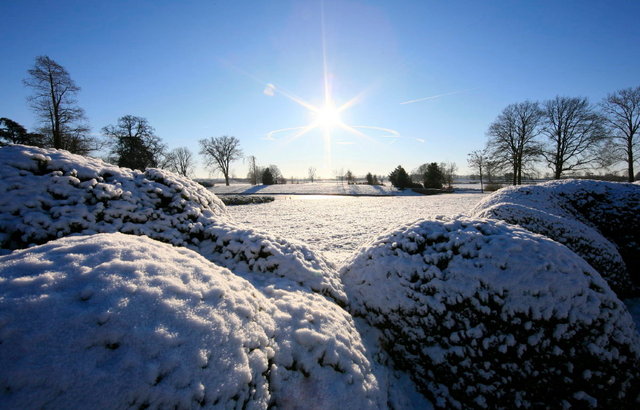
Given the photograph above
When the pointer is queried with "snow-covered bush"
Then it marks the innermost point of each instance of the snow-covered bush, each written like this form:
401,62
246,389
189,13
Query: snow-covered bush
600,221
485,314
120,321
47,194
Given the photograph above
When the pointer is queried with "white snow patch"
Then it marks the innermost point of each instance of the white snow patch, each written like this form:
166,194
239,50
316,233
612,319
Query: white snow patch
114,321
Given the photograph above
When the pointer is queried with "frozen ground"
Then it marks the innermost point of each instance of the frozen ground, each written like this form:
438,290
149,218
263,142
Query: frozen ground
340,225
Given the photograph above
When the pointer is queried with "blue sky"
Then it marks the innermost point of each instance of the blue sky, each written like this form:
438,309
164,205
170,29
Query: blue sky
197,69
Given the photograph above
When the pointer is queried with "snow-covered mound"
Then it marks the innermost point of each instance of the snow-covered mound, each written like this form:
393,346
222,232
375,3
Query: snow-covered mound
600,221
47,194
120,321
486,314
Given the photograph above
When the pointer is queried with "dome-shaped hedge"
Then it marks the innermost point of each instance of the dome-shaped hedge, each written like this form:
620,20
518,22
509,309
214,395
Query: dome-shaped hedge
47,194
484,314
600,221
121,321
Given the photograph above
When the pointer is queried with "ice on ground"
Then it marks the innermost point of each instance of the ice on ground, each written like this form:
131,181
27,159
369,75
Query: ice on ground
486,314
598,220
46,194
119,321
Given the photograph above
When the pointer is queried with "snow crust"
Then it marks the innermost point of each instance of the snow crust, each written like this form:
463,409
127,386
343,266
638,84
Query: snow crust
484,314
598,220
119,321
47,194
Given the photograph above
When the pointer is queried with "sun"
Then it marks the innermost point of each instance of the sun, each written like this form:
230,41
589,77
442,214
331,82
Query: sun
327,116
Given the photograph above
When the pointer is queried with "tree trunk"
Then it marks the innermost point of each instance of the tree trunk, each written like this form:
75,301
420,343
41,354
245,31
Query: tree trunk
57,137
631,174
558,172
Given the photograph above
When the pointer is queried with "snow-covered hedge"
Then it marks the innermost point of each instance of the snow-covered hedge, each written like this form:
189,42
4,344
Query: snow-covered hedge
123,321
598,220
486,314
47,194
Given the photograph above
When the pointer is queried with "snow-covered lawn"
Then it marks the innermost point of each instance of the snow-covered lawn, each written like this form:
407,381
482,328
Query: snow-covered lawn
339,225
316,188
123,288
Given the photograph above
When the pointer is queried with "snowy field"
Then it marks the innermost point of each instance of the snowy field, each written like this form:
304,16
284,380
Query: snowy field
339,225
324,188
168,299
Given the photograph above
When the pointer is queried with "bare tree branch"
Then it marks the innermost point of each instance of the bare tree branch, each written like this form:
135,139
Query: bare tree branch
622,112
220,152
575,133
512,137
54,102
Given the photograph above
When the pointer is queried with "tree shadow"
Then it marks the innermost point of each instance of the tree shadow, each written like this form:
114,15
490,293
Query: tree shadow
254,189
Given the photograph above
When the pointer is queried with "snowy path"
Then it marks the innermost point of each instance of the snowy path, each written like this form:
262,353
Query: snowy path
338,226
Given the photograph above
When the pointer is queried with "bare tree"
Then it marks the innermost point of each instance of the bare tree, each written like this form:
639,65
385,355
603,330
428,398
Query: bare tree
574,131
134,143
512,137
220,152
255,173
278,177
449,172
312,174
180,161
622,111
54,102
351,179
477,161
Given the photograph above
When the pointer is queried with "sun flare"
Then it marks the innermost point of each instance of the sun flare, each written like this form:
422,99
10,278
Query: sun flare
327,116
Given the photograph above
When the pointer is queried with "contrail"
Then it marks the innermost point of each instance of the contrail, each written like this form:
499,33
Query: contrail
391,133
433,97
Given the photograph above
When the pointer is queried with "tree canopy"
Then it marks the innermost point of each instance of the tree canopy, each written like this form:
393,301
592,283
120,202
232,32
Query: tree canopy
399,178
220,152
134,143
54,100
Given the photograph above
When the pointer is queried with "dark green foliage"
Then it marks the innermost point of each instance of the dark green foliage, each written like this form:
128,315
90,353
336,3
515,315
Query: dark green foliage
433,177
13,133
231,200
267,177
369,179
400,179
372,179
133,143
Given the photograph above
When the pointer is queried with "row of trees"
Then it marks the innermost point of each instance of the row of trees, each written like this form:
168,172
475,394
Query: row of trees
429,175
269,175
131,142
568,134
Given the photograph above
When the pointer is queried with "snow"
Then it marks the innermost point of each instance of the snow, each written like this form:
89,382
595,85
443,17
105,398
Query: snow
600,221
316,188
486,314
338,226
115,321
47,194
121,288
